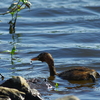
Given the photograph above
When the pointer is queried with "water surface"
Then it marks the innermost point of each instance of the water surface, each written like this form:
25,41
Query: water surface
68,29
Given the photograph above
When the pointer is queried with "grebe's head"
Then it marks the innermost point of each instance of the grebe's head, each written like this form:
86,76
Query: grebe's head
44,57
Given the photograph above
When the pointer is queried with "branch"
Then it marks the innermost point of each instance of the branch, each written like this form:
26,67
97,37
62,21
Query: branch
14,7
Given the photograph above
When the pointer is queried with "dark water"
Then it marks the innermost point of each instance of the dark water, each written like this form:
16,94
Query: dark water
68,29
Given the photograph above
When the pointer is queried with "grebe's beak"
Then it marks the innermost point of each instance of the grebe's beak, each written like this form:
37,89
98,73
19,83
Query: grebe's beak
34,59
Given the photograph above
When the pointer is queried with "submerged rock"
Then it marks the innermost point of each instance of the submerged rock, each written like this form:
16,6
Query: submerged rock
71,97
20,85
39,83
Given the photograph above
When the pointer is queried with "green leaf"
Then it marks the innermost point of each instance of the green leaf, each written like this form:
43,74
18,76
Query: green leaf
24,1
19,16
7,51
56,85
21,1
12,6
18,9
13,50
18,6
28,4
12,13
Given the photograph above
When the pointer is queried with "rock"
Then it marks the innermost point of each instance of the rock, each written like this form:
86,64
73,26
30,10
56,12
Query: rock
3,97
16,82
71,97
19,83
14,94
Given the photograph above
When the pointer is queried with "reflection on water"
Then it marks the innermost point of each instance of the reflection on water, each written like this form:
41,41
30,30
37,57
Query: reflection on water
69,30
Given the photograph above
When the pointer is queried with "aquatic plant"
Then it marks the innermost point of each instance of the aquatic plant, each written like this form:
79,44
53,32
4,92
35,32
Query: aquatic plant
13,10
56,86
17,6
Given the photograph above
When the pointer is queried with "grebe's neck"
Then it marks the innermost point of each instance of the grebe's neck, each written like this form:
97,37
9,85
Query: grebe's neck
52,68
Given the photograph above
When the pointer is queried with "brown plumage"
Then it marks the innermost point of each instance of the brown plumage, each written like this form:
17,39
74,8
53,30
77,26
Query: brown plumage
78,73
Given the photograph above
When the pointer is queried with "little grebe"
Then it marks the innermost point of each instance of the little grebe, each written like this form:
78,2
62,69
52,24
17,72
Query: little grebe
78,73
